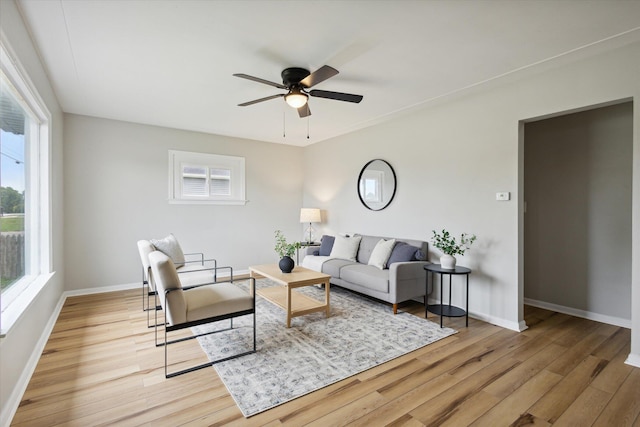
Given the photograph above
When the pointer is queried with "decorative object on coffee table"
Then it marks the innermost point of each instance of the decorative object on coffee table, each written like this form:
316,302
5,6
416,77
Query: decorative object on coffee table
310,215
450,247
285,250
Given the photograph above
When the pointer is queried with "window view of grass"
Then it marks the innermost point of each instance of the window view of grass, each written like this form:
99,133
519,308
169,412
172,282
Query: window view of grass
15,223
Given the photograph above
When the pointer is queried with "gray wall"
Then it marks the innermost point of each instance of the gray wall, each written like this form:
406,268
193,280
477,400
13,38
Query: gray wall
116,183
578,174
453,156
30,331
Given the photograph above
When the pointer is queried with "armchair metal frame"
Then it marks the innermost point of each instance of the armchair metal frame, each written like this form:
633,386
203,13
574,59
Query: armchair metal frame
230,316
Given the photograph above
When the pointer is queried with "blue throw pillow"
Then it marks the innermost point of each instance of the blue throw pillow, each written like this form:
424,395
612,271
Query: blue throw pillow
402,252
326,244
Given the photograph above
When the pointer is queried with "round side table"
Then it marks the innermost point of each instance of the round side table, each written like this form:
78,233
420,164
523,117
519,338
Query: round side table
447,309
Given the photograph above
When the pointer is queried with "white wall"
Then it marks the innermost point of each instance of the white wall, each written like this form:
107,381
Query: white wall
578,220
451,158
116,183
19,350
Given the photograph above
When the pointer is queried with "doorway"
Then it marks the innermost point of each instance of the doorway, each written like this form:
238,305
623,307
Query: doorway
578,213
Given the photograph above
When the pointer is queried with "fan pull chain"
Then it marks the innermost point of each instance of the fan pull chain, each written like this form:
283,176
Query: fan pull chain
308,126
284,127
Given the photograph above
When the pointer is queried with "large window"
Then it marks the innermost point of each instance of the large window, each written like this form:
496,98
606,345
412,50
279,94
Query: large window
25,261
14,120
206,178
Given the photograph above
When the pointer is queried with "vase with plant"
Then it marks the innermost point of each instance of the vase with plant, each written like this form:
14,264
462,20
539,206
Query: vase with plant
451,247
285,250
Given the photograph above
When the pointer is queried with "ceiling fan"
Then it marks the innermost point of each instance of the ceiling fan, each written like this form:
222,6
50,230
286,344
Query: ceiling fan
297,81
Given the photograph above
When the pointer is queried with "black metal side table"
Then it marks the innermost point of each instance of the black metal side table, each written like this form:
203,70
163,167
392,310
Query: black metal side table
446,309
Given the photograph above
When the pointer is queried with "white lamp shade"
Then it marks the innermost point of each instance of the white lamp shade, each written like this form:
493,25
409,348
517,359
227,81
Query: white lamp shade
296,99
310,215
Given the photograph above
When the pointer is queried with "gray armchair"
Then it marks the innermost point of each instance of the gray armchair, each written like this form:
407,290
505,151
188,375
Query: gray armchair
193,268
187,306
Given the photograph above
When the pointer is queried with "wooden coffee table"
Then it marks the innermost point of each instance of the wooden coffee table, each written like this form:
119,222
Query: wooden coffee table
294,303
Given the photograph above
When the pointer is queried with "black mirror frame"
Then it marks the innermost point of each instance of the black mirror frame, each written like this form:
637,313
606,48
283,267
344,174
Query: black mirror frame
395,184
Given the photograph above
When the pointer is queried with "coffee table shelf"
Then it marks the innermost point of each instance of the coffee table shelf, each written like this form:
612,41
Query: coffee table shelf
293,303
300,304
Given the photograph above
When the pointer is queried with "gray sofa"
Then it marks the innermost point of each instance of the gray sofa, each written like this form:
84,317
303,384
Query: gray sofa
399,281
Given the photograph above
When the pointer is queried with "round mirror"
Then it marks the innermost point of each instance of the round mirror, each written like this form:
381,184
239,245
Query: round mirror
377,184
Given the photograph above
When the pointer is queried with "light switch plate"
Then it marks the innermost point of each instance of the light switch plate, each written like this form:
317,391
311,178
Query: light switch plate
503,196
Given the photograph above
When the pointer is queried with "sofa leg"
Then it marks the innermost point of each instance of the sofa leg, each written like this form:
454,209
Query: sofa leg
395,308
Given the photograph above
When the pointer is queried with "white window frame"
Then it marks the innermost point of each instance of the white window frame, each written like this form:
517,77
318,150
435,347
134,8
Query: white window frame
38,265
180,159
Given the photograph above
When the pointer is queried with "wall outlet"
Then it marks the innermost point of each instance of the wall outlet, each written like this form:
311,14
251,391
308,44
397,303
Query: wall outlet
503,196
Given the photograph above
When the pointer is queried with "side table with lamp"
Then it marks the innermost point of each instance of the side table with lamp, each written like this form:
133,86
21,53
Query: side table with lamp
308,215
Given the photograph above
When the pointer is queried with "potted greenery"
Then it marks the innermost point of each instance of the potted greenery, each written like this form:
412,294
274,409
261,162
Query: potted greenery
285,250
450,247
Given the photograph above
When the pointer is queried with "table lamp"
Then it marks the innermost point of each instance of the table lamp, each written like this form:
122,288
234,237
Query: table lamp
310,215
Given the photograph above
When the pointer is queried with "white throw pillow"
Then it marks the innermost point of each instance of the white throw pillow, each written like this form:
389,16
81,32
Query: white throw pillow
171,248
345,247
381,253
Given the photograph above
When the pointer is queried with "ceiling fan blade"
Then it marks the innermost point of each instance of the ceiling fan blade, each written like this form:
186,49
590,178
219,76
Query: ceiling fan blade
259,80
255,101
304,111
348,97
318,76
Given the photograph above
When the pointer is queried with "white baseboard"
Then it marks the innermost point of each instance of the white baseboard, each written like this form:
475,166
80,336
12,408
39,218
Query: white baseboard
633,360
611,320
101,290
503,323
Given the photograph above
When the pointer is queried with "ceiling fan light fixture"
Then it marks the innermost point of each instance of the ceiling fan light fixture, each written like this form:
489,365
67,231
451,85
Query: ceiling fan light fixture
296,98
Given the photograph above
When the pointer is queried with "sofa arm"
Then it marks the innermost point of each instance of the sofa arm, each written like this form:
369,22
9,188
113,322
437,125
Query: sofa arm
309,250
407,280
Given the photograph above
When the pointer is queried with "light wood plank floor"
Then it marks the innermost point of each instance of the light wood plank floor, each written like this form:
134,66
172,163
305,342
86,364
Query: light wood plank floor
100,367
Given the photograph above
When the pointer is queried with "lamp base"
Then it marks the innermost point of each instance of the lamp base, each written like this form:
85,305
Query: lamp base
309,234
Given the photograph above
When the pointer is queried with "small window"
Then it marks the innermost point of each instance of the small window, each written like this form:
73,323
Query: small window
206,178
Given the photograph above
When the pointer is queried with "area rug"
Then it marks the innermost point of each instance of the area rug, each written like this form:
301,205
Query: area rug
316,351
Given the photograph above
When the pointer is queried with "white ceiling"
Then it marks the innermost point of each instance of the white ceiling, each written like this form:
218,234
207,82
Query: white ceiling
170,62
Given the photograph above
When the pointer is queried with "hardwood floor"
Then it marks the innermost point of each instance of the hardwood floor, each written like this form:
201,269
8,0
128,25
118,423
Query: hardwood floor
100,367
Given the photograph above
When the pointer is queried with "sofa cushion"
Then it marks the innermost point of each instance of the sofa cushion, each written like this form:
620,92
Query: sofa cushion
381,253
171,248
332,267
216,300
326,244
403,252
367,276
367,245
345,247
